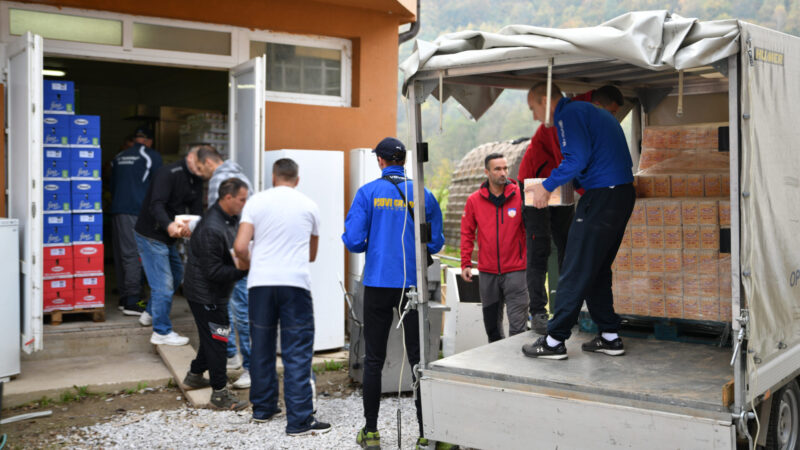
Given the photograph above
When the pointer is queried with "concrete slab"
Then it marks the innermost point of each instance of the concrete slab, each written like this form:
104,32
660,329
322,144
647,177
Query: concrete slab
177,360
101,373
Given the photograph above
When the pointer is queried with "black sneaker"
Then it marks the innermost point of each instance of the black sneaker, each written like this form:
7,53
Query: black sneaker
601,345
315,427
267,417
195,381
225,399
135,309
540,349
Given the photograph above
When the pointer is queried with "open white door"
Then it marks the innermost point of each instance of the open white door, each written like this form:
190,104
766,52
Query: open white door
24,124
246,117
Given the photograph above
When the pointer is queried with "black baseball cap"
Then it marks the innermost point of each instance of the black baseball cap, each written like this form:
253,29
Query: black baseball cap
144,132
390,149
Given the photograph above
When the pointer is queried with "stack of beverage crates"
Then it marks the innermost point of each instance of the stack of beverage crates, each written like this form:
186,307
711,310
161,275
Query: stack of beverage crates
73,216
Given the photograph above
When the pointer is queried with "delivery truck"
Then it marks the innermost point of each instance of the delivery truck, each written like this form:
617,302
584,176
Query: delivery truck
661,394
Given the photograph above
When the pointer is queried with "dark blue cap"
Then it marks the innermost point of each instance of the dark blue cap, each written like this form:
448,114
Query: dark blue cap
391,149
144,132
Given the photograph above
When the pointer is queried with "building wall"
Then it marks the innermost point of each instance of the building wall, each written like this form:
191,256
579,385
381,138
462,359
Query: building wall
3,212
374,37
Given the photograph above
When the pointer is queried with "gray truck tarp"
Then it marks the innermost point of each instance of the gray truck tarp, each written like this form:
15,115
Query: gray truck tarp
770,158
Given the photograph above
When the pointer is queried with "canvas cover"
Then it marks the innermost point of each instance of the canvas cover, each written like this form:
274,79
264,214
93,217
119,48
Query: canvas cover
770,202
654,40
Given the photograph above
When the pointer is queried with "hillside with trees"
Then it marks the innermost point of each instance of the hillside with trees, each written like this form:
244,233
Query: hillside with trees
509,117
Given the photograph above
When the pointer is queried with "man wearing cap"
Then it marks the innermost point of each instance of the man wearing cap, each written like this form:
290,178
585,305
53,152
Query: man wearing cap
131,172
380,223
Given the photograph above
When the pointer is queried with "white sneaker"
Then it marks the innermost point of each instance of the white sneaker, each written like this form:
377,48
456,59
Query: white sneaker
145,319
234,362
172,338
243,382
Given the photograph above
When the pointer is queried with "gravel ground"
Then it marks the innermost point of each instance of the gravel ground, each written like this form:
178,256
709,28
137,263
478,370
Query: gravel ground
188,428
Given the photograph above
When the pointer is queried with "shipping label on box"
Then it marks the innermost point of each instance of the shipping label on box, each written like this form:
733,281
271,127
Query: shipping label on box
58,261
562,195
55,130
59,96
57,229
90,292
84,131
85,163
87,195
57,195
56,162
88,259
87,227
58,295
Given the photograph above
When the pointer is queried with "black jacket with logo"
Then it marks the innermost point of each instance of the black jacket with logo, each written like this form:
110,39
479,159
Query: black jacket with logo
174,190
210,272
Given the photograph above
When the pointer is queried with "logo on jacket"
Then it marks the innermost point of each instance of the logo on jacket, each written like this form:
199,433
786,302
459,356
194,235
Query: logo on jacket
512,212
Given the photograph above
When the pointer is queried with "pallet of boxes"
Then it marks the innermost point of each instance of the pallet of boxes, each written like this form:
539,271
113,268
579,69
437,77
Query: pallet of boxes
673,268
73,221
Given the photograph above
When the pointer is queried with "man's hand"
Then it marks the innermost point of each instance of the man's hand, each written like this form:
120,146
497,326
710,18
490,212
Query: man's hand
541,196
466,274
178,229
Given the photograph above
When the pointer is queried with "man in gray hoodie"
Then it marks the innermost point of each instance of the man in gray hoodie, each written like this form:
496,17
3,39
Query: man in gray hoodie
212,166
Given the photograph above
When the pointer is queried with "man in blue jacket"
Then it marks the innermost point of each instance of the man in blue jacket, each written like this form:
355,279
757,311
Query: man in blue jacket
596,155
380,223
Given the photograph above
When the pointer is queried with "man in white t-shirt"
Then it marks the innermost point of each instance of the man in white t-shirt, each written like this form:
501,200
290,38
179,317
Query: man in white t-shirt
284,226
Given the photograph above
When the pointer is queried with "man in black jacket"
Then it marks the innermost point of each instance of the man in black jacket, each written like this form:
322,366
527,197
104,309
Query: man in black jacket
210,276
176,189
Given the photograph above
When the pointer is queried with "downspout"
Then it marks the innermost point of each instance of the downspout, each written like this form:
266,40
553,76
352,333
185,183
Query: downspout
412,32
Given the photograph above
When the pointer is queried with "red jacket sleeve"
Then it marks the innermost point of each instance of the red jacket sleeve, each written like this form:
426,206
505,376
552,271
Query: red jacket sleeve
468,227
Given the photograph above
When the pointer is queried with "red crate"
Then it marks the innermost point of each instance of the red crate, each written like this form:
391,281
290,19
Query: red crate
90,292
58,295
88,259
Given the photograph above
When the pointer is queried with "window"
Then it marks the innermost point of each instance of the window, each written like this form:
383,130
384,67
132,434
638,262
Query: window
65,27
162,37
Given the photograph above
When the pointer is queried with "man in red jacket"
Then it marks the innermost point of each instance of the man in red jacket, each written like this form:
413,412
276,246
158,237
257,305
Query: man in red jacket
495,211
542,156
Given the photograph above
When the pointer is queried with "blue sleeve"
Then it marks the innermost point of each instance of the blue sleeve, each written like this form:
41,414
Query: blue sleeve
433,215
356,225
576,147
157,163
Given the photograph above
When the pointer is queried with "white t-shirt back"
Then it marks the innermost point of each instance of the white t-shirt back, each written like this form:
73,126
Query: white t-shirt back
283,220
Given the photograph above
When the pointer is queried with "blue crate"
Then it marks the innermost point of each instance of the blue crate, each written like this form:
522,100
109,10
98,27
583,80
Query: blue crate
55,129
57,228
87,195
84,131
56,162
85,163
87,228
57,195
59,96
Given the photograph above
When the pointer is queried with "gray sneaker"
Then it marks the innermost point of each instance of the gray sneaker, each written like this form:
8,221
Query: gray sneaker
225,399
195,381
539,323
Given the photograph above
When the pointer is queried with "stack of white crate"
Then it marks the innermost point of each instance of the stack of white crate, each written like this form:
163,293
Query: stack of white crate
205,128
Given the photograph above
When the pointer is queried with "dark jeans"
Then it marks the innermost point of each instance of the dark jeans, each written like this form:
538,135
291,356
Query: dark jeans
127,265
213,330
291,308
594,238
379,311
540,226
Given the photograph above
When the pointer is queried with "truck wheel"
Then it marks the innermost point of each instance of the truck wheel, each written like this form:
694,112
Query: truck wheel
784,418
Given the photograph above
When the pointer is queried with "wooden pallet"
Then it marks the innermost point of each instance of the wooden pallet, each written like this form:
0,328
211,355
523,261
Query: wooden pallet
57,317
664,329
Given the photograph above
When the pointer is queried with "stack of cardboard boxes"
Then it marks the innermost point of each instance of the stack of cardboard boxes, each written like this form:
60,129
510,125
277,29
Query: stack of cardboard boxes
73,219
674,260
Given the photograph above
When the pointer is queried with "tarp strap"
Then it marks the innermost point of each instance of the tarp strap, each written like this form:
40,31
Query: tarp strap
549,91
679,113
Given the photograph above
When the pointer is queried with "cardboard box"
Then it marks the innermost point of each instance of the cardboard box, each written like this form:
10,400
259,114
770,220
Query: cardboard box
695,185
689,264
673,284
626,239
689,215
725,310
58,262
55,130
87,195
707,212
709,286
709,309
691,238
725,213
622,262
57,195
709,237
57,229
673,238
691,308
655,213
691,285
673,261
56,162
678,185
623,305
674,307
638,237
621,283
90,292
640,305
655,237
59,96
708,261
644,186
88,259
672,212
562,195
712,185
58,295
661,186
655,284
657,306
725,185
655,261
84,131
85,163
639,214
639,260
87,228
